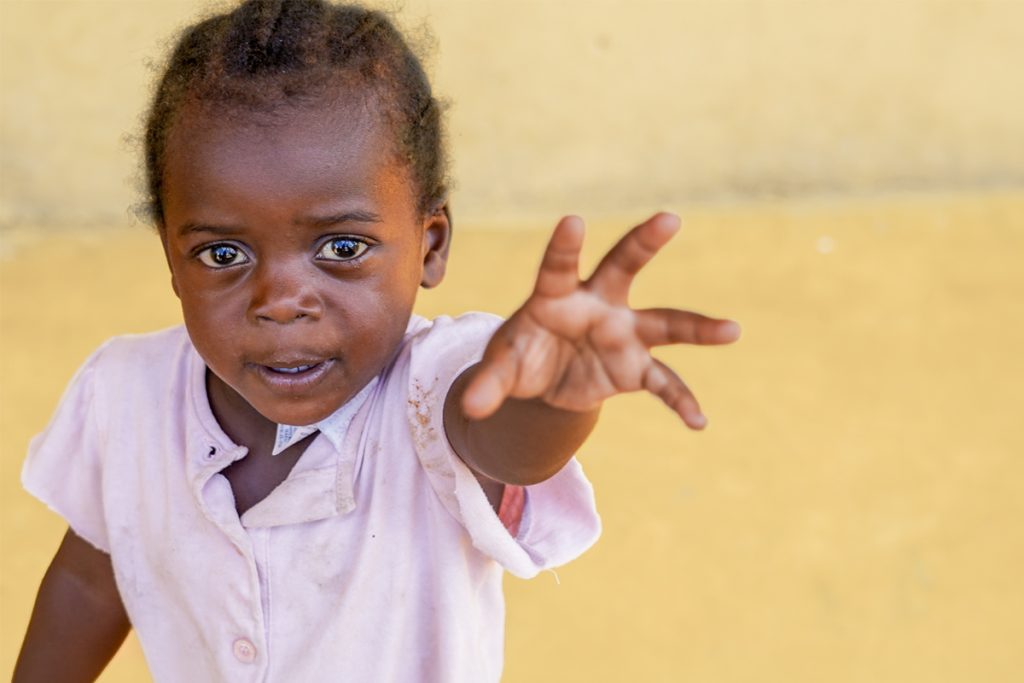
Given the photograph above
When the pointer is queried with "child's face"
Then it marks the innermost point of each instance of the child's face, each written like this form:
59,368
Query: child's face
296,249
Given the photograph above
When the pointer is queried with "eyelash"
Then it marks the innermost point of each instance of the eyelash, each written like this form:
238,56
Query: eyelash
328,251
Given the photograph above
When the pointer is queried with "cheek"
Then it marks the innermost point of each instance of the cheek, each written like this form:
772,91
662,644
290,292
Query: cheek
204,310
412,272
370,309
373,316
212,322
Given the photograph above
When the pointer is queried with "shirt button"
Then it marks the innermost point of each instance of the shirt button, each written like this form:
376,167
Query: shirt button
244,650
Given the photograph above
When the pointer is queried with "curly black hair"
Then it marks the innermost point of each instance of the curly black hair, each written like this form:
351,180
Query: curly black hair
269,54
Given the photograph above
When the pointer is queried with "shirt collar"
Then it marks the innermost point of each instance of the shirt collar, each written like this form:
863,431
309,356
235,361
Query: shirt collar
334,426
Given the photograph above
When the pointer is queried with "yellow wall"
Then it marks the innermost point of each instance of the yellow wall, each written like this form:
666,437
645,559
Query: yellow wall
583,104
853,512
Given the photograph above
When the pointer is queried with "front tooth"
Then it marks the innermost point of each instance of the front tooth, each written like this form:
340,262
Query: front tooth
293,371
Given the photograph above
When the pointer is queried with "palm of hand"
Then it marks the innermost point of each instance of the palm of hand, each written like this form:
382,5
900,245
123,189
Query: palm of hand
574,351
573,344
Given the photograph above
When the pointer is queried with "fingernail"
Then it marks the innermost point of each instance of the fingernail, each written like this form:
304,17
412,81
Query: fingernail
678,221
732,329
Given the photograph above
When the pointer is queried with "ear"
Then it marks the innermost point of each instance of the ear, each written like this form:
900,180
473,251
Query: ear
437,237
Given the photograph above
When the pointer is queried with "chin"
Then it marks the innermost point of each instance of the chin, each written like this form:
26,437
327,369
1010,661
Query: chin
300,416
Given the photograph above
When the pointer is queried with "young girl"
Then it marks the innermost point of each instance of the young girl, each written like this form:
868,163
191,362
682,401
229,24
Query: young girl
306,482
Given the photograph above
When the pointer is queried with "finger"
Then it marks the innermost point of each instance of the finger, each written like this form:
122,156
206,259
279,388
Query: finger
559,270
492,381
620,265
663,382
660,326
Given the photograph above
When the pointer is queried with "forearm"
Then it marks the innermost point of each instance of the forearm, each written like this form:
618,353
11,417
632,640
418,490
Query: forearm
523,443
78,622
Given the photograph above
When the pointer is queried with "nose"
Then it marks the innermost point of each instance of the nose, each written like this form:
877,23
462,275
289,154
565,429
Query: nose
283,294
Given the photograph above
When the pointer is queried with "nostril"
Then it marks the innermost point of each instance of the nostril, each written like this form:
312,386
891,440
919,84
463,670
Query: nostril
286,306
282,317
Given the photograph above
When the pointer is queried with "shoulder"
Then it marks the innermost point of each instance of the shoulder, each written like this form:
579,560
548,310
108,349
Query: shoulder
133,353
142,352
442,331
559,519
436,351
143,348
141,366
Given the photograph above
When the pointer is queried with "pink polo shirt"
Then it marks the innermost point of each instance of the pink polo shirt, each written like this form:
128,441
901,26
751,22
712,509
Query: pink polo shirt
377,560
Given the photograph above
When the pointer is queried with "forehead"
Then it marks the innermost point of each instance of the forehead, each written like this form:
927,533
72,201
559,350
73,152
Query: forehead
320,148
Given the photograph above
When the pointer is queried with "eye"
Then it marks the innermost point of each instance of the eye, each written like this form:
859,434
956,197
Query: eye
222,256
342,249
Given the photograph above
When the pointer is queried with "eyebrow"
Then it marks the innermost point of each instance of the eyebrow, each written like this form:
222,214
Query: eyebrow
357,216
190,227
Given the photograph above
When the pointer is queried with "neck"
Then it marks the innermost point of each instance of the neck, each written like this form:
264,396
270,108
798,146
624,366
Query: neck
237,418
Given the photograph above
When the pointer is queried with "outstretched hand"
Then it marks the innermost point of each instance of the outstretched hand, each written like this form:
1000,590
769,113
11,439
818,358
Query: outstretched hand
575,343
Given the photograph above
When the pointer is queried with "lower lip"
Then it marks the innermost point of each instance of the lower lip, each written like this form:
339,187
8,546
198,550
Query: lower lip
295,382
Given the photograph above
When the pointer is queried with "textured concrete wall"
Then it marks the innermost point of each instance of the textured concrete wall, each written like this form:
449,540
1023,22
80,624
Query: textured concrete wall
590,106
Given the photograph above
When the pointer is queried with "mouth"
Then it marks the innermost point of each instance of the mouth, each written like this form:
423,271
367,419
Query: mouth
286,370
293,375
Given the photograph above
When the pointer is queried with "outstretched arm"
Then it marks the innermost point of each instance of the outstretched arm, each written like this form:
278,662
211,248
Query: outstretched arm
519,415
78,622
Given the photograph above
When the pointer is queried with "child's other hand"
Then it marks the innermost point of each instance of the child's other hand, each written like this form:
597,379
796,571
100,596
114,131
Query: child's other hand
575,343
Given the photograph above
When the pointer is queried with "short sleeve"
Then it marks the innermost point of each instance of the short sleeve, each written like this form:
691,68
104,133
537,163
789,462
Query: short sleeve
64,468
559,520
